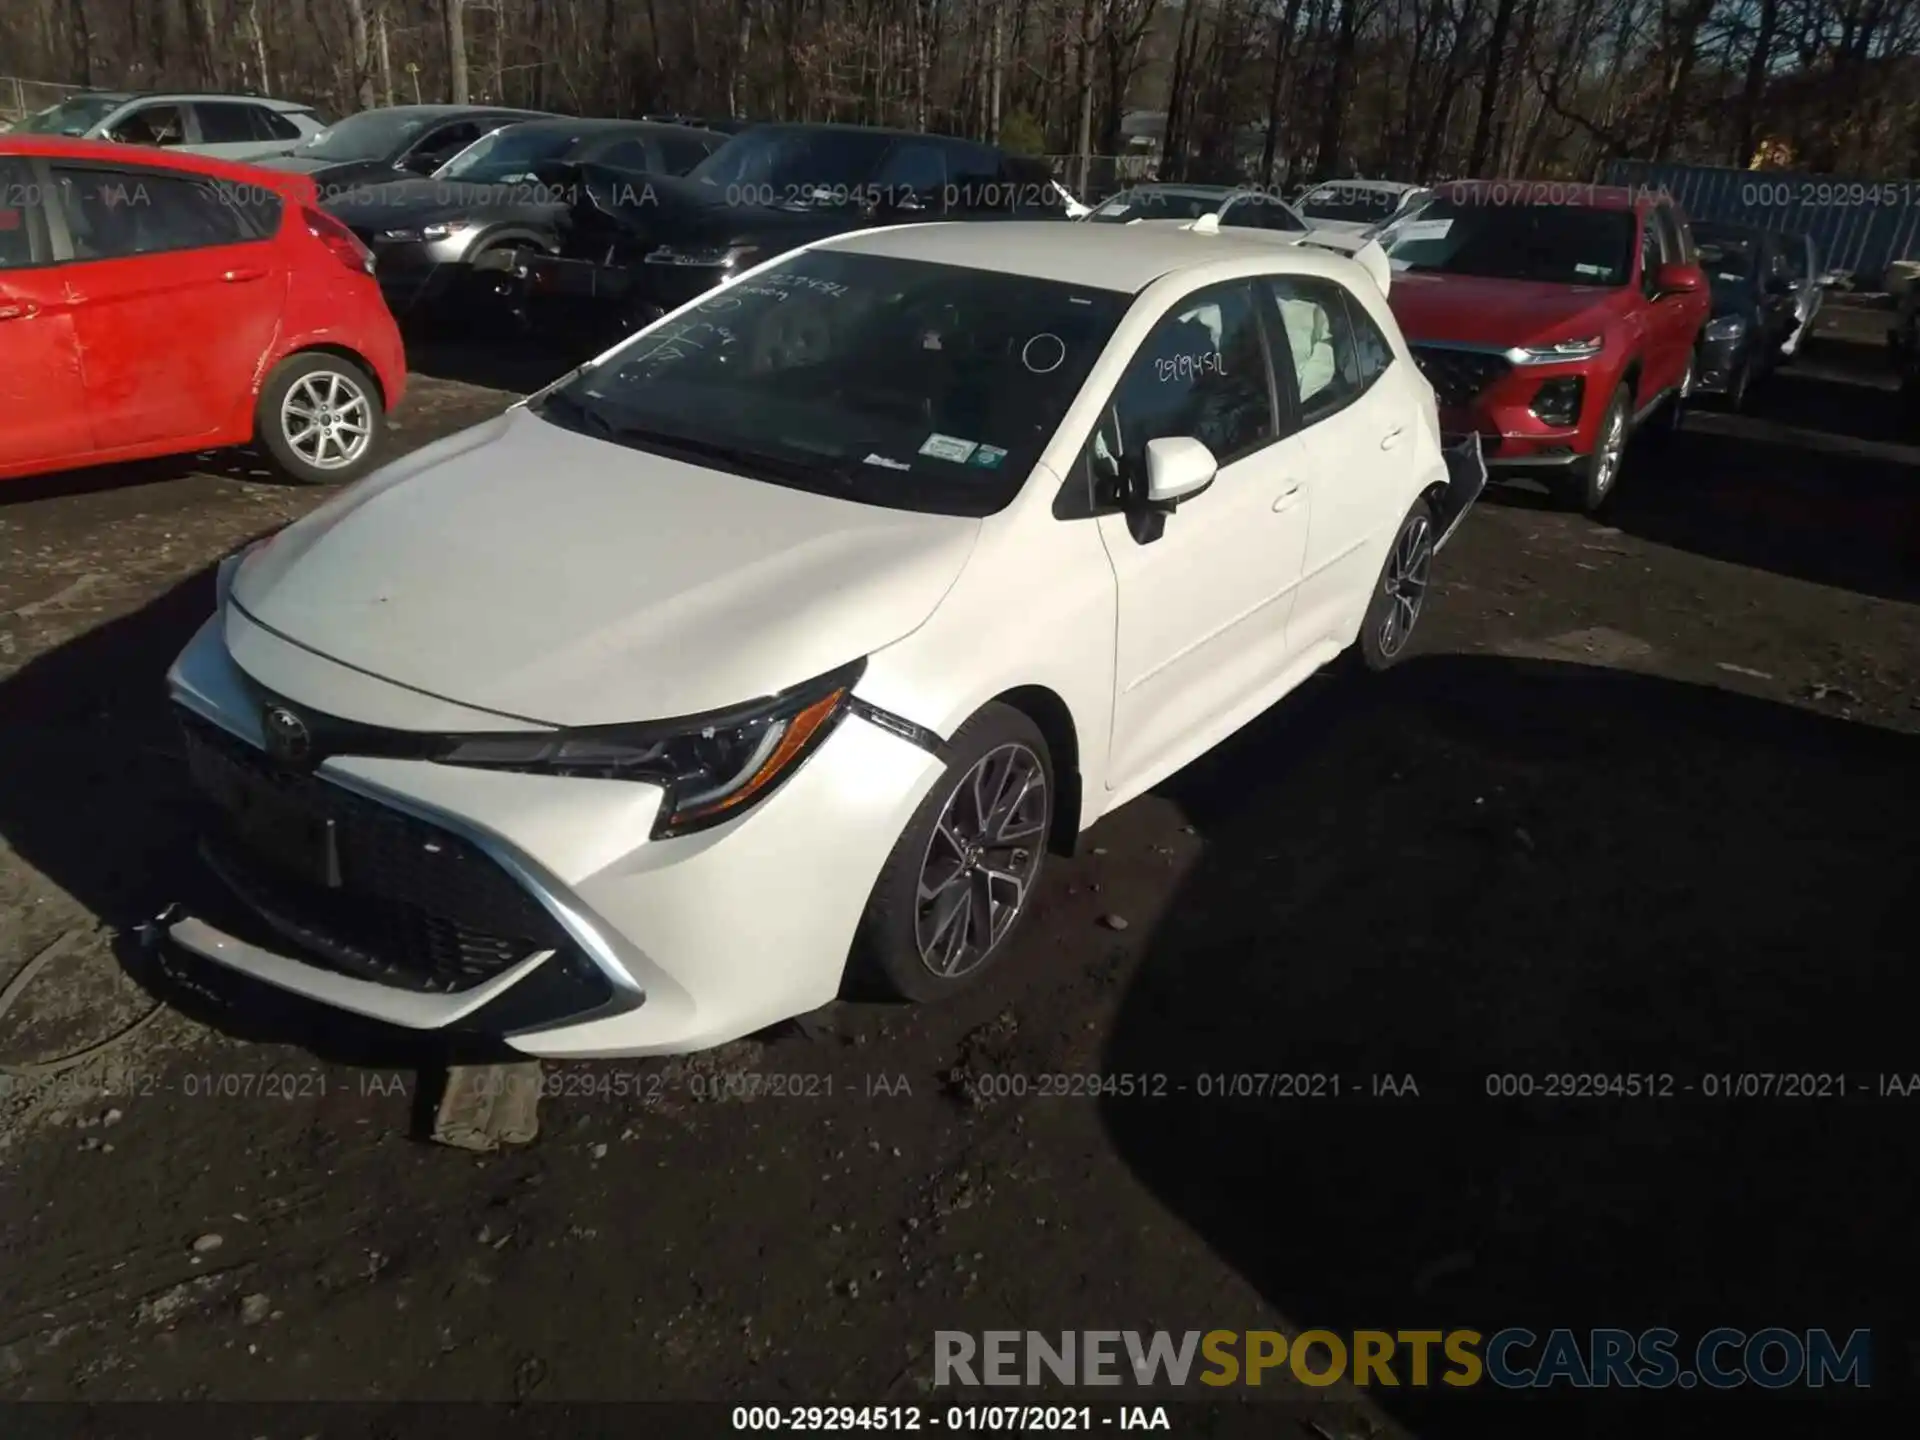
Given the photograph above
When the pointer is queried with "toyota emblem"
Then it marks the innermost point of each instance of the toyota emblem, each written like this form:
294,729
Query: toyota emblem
287,735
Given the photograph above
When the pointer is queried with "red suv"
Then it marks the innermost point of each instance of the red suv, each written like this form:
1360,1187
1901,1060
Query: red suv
1551,318
158,303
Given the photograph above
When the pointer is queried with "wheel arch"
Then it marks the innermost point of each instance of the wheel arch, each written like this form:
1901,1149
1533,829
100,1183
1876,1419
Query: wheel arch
339,352
1051,714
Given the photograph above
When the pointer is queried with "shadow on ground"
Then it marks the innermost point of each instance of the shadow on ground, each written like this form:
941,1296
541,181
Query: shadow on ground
245,465
94,795
1479,868
1730,487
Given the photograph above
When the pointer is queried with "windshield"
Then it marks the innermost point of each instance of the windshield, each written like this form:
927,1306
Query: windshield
71,117
1363,204
370,135
785,167
1730,262
893,382
1130,205
507,156
1555,244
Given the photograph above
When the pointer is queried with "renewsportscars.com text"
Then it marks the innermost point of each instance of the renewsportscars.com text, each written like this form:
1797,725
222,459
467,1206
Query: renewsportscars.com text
1513,1359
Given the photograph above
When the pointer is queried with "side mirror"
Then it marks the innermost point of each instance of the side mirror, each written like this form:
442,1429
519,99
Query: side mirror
1178,468
1677,280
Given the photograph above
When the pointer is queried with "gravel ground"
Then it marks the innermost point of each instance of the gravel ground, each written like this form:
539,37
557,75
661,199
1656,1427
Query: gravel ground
1643,803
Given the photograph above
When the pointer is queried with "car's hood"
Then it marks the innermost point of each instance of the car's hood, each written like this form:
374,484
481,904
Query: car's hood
399,203
1468,309
539,573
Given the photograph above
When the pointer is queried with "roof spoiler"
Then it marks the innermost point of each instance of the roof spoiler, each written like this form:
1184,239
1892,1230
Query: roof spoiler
1366,253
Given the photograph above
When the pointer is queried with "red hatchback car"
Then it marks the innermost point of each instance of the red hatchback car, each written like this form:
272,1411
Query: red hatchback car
158,303
1553,319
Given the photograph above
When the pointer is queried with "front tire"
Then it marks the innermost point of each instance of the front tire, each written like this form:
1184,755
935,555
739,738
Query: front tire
1591,481
961,876
1401,593
320,419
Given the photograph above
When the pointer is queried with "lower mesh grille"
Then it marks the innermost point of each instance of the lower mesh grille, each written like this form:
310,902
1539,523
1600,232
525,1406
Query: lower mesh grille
368,890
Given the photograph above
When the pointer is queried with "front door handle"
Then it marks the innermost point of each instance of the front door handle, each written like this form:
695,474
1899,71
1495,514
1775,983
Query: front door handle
1287,498
18,309
1392,437
234,277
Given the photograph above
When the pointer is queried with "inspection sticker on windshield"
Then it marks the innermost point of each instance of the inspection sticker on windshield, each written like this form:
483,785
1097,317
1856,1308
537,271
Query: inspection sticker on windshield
1590,269
988,457
1423,230
946,447
886,463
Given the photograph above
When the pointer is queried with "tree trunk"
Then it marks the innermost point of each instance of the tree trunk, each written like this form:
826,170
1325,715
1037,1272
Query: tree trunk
258,39
1333,119
360,53
1172,138
996,69
385,53
456,21
1491,77
1083,134
82,45
1754,84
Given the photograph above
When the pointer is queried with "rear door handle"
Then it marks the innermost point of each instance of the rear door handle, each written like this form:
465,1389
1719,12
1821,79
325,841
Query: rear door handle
234,277
18,309
1288,498
1392,437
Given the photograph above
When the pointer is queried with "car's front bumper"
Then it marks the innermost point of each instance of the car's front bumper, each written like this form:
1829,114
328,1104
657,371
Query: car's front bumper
653,947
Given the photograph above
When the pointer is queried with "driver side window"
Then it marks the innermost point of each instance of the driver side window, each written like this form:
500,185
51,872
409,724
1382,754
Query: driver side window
1202,371
1649,254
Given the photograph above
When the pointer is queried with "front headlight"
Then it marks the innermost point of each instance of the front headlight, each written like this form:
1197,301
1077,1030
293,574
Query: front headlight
1727,327
1553,354
439,230
722,257
712,767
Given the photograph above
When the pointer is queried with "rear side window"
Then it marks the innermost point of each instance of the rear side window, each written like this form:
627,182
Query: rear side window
680,153
1317,346
226,123
152,125
624,155
22,234
111,214
1259,212
272,125
257,208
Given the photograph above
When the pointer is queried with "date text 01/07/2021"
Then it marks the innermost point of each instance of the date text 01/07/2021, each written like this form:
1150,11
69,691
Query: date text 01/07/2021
811,1419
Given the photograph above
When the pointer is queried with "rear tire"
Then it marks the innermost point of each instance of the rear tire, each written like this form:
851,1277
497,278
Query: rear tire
1400,595
320,418
1592,479
961,877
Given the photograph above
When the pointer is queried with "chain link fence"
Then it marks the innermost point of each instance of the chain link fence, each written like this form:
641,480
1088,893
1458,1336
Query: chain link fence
20,98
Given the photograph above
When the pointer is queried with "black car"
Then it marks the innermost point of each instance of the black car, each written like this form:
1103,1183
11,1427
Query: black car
378,145
1753,308
455,234
629,253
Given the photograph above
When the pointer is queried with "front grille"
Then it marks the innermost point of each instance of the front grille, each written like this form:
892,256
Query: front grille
1458,376
397,900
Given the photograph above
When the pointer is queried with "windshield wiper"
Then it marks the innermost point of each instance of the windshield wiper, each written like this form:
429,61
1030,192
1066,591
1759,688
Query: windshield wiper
780,466
574,413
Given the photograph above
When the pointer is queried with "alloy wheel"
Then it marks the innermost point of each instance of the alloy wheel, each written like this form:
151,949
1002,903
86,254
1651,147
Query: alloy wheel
1408,569
1613,443
981,860
327,419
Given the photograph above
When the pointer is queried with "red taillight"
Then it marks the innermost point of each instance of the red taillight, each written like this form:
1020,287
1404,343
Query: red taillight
344,244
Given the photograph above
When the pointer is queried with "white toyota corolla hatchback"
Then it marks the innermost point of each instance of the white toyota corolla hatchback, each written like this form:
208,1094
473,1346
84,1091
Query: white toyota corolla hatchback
767,655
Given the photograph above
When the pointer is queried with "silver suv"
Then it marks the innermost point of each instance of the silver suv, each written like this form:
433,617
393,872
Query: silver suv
233,127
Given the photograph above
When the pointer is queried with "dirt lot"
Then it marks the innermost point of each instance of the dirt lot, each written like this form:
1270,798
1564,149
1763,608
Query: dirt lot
1643,803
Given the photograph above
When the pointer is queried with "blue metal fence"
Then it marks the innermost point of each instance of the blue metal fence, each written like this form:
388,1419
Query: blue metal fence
1858,225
